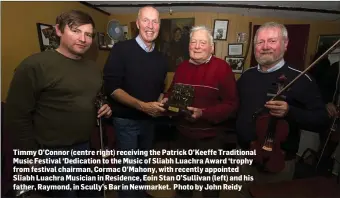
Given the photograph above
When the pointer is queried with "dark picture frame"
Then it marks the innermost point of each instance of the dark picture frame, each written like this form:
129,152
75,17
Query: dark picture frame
48,40
327,40
220,31
103,41
235,49
241,37
173,40
236,63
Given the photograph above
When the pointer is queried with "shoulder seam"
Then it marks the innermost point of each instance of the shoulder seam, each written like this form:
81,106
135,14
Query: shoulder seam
300,72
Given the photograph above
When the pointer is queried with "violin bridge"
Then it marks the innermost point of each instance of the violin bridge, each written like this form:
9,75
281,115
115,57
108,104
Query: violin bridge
268,145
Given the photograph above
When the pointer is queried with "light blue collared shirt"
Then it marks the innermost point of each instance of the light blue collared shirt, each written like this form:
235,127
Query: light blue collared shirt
276,67
142,44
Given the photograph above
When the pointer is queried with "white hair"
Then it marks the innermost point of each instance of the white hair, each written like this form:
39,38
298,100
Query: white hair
202,27
284,32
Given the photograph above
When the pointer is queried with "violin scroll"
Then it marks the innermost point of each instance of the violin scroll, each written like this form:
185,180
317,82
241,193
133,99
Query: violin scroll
100,100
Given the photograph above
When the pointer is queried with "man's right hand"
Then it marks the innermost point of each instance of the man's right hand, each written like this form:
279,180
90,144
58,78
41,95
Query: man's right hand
332,112
154,109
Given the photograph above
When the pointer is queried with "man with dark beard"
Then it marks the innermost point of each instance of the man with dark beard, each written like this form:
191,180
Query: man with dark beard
302,106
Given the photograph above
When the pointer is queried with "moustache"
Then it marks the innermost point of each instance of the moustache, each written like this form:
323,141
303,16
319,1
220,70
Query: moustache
264,53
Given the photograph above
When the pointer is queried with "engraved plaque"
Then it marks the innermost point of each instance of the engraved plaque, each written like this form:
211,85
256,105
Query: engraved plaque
180,98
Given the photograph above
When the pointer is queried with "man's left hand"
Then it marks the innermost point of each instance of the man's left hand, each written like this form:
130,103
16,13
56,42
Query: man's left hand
277,108
105,110
196,113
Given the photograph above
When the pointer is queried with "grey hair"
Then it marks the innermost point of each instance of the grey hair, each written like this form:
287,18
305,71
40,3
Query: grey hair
284,32
202,27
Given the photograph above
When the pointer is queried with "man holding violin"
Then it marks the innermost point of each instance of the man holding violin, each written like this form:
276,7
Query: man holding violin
271,127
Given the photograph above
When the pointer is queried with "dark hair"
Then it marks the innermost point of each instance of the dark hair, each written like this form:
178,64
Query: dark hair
74,18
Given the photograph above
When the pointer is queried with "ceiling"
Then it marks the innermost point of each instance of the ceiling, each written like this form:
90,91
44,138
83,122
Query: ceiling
314,10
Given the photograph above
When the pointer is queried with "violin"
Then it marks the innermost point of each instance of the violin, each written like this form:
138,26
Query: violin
271,132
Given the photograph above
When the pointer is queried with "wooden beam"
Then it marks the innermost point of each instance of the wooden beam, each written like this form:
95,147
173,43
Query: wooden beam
94,7
222,5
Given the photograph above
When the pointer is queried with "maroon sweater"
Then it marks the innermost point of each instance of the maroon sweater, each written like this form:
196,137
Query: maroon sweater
215,93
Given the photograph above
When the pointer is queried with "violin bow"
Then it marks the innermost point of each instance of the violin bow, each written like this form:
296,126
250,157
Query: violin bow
331,131
99,103
306,70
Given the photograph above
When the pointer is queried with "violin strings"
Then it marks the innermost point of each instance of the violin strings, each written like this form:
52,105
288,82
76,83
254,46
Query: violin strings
271,132
270,137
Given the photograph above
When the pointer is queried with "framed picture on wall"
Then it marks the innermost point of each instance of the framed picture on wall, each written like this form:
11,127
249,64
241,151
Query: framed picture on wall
327,41
48,39
126,32
173,40
241,37
104,41
235,49
236,63
220,29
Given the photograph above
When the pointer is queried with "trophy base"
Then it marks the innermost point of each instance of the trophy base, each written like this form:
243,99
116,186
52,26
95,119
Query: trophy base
177,110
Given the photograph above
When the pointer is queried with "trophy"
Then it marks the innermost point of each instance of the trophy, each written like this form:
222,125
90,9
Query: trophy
180,98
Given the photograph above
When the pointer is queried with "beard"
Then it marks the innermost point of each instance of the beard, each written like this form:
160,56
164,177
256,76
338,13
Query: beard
269,58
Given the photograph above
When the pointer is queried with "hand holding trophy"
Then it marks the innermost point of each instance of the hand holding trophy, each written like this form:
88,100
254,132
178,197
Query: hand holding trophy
180,98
